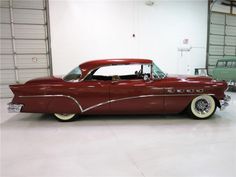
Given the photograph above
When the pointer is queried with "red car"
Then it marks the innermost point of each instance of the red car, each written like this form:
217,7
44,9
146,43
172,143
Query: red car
119,86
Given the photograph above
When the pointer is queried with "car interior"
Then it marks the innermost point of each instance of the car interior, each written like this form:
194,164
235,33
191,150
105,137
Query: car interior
136,75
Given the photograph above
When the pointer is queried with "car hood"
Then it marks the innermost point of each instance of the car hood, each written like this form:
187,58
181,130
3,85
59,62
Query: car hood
46,80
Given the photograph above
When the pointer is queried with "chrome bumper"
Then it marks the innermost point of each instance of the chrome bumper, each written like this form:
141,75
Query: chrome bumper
14,108
225,102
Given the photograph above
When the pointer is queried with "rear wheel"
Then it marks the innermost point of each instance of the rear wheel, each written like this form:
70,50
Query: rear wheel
202,107
65,117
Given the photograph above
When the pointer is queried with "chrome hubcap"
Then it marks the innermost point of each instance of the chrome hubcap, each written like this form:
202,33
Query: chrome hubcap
202,106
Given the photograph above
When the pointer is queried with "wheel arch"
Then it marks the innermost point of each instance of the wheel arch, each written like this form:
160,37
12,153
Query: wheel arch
216,101
213,96
64,104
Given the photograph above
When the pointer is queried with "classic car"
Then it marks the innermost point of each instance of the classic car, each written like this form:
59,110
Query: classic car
119,86
225,69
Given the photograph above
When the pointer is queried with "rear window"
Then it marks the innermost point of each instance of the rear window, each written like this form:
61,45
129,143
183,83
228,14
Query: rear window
231,64
226,64
234,65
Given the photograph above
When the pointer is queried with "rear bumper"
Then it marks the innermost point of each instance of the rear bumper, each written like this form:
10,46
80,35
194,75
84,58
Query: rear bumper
14,108
225,102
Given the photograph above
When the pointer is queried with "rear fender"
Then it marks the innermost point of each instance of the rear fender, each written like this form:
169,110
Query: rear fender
64,105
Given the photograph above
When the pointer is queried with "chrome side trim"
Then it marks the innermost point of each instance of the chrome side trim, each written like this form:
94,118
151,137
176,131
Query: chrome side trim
67,96
121,99
135,97
109,101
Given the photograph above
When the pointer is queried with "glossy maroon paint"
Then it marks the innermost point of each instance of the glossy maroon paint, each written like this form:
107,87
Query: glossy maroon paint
54,95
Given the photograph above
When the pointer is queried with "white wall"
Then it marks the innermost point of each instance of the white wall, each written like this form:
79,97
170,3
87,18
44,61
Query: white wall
85,30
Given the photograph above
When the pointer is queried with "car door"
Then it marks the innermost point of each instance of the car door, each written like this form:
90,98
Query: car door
135,97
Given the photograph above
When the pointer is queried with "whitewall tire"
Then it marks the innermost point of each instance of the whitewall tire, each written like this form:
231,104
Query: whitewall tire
65,117
202,107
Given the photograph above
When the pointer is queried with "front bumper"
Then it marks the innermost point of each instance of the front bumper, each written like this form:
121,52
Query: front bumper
225,102
14,108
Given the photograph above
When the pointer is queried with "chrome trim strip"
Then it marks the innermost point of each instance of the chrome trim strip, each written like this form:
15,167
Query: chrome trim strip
109,101
67,96
135,97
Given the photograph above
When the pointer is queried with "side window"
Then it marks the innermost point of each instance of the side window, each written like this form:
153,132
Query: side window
120,72
229,64
234,64
221,64
146,69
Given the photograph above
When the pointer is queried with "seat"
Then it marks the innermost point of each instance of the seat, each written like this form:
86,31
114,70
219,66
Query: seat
115,78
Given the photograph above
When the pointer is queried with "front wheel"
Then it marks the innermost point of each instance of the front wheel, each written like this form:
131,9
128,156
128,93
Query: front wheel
65,117
202,107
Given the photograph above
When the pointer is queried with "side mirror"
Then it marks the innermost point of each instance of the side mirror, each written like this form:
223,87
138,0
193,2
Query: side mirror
146,78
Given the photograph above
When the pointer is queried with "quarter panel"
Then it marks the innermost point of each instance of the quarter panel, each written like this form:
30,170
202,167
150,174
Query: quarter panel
33,104
63,105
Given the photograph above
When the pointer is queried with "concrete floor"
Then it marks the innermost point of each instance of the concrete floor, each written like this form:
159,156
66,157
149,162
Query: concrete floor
35,145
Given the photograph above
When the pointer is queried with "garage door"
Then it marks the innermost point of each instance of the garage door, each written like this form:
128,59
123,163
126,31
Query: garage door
24,45
222,39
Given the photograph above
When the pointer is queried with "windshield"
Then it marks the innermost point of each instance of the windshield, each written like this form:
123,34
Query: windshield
73,75
157,72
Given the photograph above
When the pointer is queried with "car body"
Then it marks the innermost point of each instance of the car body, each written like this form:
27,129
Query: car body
85,90
225,69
